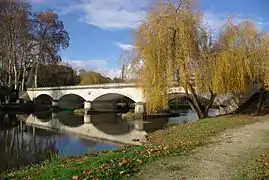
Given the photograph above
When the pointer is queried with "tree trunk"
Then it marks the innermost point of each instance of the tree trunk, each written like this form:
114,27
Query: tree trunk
196,109
35,75
9,52
23,78
40,55
123,72
211,101
195,104
14,63
20,72
9,72
16,80
261,99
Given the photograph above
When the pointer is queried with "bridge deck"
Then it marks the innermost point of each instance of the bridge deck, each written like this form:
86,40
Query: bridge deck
93,86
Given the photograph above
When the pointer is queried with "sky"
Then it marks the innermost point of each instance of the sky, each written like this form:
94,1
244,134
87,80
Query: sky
100,30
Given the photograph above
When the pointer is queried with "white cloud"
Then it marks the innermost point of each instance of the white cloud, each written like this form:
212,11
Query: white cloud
110,14
216,21
101,66
213,21
124,47
36,1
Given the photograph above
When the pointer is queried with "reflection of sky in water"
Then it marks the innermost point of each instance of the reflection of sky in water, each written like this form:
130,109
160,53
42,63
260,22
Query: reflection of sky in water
72,146
75,146
68,144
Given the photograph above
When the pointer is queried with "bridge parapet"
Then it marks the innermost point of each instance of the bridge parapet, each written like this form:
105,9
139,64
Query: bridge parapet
94,86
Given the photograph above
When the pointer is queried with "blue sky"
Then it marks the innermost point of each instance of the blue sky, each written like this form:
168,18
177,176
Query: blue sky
100,30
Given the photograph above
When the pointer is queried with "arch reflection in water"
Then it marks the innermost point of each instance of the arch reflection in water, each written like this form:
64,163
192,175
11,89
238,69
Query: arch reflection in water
44,116
98,127
68,118
111,123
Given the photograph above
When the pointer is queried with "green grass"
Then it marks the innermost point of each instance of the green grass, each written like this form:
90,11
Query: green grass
120,164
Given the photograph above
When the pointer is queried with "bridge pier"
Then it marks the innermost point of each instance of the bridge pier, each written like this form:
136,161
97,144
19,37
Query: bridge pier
140,107
139,125
55,104
53,115
87,106
87,119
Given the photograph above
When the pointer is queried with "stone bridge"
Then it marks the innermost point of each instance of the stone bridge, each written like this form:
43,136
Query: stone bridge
103,95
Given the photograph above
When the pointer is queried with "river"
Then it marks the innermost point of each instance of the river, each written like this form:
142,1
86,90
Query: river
32,138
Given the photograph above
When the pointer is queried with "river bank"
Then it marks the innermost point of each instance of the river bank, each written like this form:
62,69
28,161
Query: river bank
179,141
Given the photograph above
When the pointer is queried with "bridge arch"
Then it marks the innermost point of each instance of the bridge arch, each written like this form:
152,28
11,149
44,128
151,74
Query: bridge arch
112,97
71,101
112,101
112,94
43,99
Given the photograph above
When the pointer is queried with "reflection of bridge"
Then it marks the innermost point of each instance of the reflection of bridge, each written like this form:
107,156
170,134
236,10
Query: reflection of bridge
89,130
103,94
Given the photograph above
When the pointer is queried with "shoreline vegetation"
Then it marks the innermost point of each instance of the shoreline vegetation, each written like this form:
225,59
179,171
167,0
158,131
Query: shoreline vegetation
177,140
79,111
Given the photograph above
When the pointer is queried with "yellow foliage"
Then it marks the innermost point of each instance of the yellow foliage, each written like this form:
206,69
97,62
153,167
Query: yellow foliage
159,42
241,59
175,46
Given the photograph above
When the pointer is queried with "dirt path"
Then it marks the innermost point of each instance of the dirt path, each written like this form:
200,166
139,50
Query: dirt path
227,157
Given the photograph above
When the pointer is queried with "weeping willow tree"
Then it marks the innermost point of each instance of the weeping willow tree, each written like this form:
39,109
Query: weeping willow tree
172,44
242,61
265,60
176,49
241,58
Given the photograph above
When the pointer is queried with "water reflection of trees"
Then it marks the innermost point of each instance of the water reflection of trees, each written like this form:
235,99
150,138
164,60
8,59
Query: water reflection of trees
8,121
18,148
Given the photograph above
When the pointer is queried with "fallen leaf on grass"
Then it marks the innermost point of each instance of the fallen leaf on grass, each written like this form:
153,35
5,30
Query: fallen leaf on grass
87,172
75,178
138,161
123,161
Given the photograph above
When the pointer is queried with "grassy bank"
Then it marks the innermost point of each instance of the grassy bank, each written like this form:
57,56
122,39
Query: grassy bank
120,164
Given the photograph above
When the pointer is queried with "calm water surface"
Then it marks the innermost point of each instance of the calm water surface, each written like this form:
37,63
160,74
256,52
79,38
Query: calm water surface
23,143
